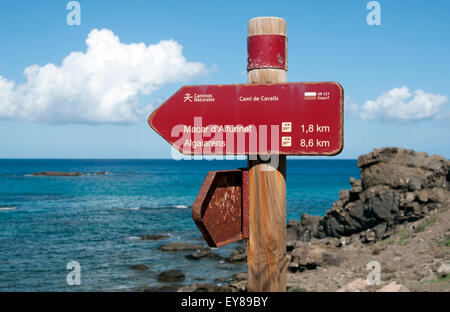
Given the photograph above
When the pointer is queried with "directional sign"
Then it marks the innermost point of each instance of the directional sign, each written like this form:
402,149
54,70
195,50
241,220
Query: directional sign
246,119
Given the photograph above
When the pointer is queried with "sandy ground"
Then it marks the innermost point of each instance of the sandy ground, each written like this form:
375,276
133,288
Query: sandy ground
409,261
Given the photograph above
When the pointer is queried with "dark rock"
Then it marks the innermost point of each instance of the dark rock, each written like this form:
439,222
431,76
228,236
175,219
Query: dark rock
65,174
204,287
438,195
338,206
305,230
412,209
423,195
359,215
154,237
332,259
202,254
240,276
309,221
381,207
344,195
223,279
292,244
407,197
199,278
57,174
201,287
139,267
355,218
171,276
294,230
238,255
355,183
181,246
225,288
354,193
238,286
199,254
309,257
380,230
331,226
414,184
163,288
432,206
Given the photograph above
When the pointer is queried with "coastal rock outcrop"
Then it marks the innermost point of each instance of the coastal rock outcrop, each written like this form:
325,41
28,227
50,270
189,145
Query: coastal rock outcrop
154,237
238,255
309,257
204,287
139,267
181,246
64,173
171,276
57,174
204,253
397,185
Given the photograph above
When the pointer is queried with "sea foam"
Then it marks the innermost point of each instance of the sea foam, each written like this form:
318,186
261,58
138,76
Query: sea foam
6,208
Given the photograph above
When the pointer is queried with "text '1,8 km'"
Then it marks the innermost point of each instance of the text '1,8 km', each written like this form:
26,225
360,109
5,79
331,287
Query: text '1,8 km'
246,119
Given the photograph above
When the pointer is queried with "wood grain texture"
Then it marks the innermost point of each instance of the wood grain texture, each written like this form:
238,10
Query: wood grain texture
267,193
267,75
267,25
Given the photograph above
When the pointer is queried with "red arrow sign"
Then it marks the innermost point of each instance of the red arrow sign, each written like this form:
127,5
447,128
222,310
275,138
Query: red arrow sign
288,118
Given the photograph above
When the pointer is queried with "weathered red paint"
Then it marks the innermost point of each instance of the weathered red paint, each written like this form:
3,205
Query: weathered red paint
259,113
266,51
220,210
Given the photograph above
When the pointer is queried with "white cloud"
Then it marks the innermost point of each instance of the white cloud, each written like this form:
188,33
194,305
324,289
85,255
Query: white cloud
400,104
100,85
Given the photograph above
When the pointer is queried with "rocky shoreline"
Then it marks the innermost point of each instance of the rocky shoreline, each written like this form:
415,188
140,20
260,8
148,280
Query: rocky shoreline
396,215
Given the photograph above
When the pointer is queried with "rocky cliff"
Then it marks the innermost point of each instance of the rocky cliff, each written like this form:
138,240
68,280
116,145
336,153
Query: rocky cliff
397,185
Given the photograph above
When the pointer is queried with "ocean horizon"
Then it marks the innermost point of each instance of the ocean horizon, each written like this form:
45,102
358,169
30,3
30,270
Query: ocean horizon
98,219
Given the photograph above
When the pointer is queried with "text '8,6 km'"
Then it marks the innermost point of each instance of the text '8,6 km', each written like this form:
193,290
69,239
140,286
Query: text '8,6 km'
245,119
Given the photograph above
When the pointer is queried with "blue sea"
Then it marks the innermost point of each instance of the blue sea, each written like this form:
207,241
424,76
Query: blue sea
97,220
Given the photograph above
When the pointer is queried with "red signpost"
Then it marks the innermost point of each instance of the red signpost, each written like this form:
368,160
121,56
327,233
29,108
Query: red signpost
286,119
266,117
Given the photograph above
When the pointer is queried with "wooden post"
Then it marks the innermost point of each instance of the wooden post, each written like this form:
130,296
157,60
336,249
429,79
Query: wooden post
267,190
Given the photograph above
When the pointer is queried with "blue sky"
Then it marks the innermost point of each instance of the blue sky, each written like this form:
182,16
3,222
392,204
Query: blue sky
328,41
